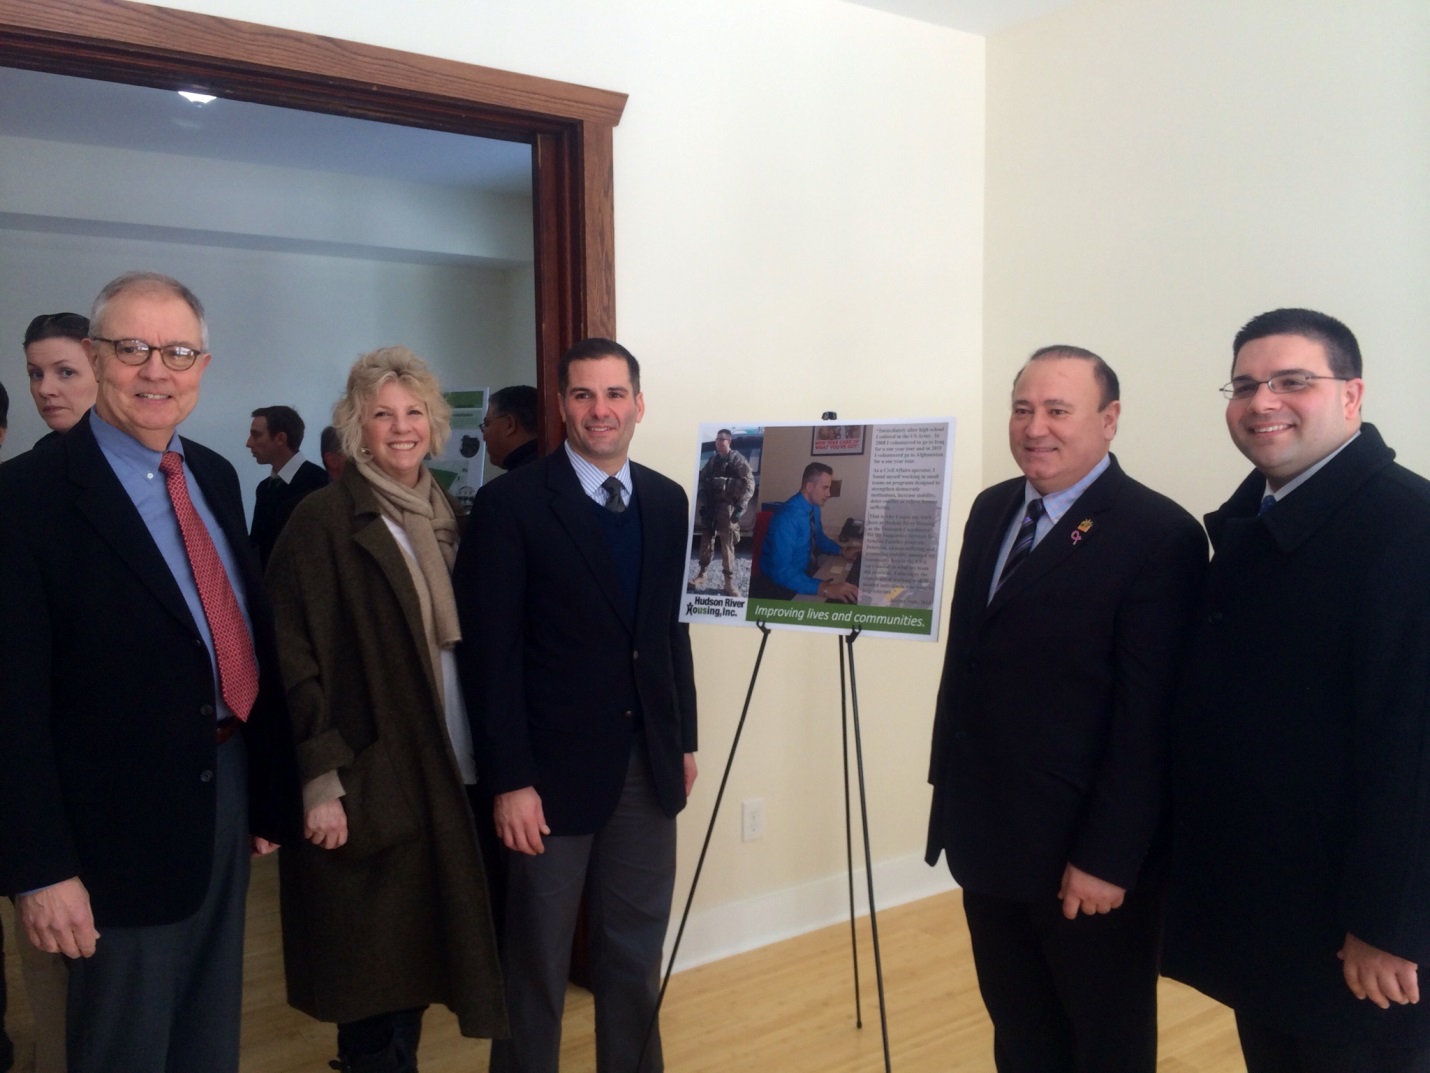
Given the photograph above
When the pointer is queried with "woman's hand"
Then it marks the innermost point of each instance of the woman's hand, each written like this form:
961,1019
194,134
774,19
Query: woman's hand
326,825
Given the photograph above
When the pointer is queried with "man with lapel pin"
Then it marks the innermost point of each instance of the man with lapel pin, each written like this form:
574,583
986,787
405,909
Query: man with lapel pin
581,690
144,740
1074,589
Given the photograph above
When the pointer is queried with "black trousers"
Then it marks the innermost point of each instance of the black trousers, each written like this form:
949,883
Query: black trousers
1068,996
1269,1050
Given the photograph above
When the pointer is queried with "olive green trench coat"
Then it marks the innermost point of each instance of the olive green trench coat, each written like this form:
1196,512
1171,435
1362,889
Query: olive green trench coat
399,916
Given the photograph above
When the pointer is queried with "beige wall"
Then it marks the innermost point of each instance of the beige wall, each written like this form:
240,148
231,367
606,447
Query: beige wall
799,207
1159,171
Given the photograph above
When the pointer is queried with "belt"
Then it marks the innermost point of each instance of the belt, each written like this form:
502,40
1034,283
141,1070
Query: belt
227,728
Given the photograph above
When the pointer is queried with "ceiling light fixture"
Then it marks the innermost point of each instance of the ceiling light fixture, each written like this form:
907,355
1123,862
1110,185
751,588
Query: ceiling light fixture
196,98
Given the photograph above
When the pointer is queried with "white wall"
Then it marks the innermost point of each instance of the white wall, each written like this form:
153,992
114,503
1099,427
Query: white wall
225,202
1159,171
798,199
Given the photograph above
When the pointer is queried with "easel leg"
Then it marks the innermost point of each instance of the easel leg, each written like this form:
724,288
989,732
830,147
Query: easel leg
705,846
868,856
849,832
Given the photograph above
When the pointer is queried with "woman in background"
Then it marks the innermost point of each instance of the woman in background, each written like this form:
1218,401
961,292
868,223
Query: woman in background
385,907
63,386
61,377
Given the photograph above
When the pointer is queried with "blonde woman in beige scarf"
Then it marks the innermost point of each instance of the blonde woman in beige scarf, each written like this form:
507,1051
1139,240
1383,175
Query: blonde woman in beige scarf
385,906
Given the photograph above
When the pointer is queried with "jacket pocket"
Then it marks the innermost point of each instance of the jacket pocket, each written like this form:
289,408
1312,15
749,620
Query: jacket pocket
379,813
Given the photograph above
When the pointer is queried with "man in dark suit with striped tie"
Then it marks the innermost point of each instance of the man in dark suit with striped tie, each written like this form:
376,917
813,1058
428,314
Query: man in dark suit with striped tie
1073,595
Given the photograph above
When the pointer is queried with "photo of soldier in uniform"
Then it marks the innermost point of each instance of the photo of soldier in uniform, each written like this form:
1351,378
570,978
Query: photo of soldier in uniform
725,486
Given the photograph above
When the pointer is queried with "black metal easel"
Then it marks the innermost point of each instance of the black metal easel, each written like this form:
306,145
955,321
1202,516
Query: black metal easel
849,704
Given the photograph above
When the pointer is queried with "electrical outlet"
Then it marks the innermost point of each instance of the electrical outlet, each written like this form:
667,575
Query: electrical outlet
752,819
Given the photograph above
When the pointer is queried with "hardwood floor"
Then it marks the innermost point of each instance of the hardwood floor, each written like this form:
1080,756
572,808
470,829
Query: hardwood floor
787,1008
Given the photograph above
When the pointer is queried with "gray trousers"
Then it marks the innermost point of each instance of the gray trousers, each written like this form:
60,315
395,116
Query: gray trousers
627,870
166,999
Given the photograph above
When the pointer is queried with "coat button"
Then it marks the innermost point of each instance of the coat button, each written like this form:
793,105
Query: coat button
628,714
635,655
207,776
206,709
1214,617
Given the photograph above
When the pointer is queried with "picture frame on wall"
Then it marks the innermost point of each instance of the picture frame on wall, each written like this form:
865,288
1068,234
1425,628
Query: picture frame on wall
837,440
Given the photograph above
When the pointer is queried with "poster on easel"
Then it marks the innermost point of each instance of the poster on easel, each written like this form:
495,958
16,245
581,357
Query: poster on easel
835,525
461,465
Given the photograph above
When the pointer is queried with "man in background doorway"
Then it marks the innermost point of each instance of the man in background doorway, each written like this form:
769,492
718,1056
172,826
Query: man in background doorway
331,444
274,436
509,427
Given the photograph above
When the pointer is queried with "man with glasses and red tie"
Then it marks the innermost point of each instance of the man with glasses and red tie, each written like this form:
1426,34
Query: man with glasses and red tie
1073,597
1301,741
144,743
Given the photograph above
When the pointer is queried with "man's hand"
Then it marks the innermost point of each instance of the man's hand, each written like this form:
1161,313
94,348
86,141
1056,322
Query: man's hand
326,824
852,551
1080,891
261,846
839,590
1378,974
58,919
520,822
691,772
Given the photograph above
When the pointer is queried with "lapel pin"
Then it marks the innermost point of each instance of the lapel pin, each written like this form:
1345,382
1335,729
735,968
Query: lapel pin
1082,527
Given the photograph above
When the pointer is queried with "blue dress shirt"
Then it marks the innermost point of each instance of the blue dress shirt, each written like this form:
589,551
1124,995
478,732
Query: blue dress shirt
784,558
137,468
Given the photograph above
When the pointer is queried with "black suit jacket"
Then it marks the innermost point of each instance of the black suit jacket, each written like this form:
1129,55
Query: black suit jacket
549,654
107,744
273,504
1301,751
1049,736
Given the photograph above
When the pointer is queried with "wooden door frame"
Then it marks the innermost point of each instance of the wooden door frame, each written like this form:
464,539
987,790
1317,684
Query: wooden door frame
569,127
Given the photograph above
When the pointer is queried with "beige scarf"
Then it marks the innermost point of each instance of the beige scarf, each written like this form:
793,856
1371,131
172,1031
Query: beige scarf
425,514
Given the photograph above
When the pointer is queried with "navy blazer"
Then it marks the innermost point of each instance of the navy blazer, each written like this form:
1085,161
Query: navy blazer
1049,735
107,744
550,655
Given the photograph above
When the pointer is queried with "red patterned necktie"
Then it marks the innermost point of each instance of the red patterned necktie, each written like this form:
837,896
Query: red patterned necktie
237,669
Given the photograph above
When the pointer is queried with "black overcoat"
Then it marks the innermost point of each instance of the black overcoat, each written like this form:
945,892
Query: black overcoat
1301,751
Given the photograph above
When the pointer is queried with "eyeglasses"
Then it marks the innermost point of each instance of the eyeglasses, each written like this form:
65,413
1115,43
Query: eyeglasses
1244,387
136,352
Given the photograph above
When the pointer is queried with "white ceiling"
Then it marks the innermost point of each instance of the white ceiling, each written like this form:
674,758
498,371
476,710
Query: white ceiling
972,16
59,108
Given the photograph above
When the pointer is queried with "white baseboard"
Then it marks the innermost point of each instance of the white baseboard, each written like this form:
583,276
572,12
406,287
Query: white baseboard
735,927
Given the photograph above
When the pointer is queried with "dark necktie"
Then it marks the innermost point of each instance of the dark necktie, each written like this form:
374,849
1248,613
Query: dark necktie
1023,546
1267,503
233,648
813,544
615,501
